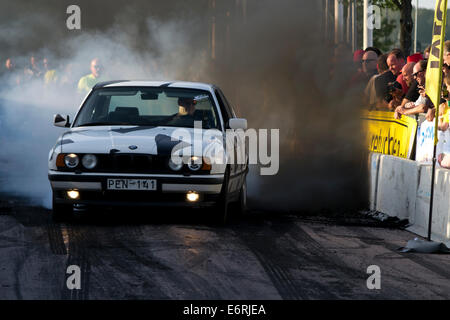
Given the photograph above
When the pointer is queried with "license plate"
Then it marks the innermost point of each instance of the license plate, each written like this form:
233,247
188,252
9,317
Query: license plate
131,184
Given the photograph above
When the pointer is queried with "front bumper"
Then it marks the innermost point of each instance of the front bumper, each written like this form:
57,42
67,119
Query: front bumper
170,191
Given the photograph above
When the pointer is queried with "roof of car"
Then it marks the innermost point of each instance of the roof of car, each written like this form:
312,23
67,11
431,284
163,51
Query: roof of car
169,84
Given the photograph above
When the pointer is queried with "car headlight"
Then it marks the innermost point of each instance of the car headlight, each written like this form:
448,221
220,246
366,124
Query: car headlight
89,161
195,164
71,160
175,166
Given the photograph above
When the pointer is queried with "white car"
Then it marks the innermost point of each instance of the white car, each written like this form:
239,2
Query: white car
138,143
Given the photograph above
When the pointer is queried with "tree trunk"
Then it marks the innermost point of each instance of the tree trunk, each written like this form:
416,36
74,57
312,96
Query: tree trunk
406,26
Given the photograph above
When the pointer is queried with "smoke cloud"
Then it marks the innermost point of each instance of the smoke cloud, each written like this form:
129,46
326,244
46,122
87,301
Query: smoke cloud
269,57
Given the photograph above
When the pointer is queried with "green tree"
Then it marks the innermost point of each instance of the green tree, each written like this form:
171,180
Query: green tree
406,21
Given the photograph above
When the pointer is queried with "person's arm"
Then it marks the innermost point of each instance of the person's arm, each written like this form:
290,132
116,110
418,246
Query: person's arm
404,102
421,108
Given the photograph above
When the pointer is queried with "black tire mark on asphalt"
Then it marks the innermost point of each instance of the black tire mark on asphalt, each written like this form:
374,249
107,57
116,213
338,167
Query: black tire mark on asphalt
79,256
193,286
126,262
350,282
280,257
55,239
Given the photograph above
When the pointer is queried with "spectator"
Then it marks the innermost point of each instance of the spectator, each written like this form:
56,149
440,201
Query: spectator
9,65
407,73
382,64
416,57
426,53
443,124
33,71
368,69
12,78
423,103
369,63
373,49
412,93
370,92
395,62
357,57
87,82
51,74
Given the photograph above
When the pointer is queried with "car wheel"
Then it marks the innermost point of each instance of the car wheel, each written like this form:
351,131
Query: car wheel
239,207
61,212
242,202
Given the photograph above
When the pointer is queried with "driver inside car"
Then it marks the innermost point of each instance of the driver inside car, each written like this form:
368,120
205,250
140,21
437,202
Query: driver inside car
186,111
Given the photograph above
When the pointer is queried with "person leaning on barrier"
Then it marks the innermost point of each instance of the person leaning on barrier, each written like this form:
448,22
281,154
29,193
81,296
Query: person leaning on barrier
423,103
413,92
444,110
443,123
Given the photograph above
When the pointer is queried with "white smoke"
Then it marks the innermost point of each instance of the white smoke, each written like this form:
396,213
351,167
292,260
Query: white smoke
26,111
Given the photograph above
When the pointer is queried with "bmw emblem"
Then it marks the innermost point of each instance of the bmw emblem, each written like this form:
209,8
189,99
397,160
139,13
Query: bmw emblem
133,147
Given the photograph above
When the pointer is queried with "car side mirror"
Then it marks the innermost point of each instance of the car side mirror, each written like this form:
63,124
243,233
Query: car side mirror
237,123
60,121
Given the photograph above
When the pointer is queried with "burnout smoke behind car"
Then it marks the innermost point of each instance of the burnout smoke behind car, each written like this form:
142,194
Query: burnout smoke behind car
270,60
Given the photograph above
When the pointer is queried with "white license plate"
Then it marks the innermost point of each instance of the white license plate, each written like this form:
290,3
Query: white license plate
131,184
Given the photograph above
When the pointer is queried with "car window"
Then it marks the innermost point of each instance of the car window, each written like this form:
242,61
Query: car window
225,111
227,104
150,107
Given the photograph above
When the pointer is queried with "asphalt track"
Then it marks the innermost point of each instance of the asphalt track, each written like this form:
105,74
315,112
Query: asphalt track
158,254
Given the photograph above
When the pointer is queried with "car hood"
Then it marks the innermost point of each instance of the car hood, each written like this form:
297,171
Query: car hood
131,139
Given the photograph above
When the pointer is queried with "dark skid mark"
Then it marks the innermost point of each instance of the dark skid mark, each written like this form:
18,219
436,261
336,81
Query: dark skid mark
165,144
128,130
55,239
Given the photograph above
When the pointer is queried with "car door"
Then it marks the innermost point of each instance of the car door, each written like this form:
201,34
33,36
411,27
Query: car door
237,168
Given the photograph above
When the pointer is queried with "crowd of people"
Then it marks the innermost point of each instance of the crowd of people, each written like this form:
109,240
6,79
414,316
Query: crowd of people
395,82
50,76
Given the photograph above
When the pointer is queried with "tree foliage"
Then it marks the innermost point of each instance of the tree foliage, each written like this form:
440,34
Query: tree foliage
406,22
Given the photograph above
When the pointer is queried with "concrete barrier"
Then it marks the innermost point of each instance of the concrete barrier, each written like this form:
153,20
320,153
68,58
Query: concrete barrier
397,185
419,217
374,165
401,188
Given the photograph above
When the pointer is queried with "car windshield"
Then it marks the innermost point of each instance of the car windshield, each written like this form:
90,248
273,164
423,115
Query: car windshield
147,106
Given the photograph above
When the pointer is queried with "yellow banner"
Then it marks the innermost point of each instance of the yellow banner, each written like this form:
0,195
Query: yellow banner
433,82
388,135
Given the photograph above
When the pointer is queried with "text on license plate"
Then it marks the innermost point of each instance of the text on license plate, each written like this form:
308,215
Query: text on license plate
131,184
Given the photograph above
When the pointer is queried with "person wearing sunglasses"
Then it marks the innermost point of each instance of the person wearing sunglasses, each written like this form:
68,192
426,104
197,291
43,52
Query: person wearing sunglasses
369,64
423,103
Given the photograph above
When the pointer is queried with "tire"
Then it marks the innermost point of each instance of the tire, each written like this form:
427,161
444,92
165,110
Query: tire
242,202
239,207
61,212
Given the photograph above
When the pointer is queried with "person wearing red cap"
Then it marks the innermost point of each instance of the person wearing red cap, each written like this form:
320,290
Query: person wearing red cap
416,57
357,56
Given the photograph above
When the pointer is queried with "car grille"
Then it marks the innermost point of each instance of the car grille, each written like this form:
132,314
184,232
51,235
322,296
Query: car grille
131,163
